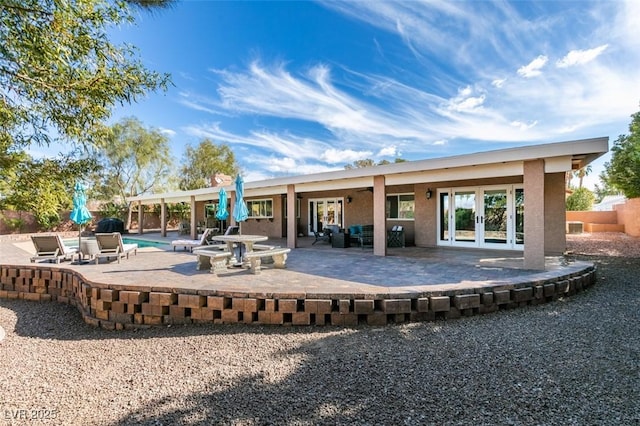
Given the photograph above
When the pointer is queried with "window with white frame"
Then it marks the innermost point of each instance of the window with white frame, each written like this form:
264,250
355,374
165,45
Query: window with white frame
400,206
259,209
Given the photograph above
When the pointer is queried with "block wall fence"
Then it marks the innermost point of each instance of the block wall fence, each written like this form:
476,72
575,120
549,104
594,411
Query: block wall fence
118,307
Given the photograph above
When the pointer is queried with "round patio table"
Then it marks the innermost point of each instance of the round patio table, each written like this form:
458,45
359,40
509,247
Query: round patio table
242,240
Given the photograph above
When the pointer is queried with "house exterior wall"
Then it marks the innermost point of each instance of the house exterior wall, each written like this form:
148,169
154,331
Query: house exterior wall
426,222
555,242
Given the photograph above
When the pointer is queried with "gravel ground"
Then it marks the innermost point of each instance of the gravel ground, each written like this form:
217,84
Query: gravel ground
575,361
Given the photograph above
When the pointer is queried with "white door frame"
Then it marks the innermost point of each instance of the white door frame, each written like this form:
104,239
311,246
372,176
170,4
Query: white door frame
325,201
447,237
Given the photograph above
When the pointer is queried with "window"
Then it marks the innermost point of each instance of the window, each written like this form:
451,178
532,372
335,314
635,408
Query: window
400,206
259,209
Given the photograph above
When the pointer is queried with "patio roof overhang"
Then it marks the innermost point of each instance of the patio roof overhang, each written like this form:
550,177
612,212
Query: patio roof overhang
558,157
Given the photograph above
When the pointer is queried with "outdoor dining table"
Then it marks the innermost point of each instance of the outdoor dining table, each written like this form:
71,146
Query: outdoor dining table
242,240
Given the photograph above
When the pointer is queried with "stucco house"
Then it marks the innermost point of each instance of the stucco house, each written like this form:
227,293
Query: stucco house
508,199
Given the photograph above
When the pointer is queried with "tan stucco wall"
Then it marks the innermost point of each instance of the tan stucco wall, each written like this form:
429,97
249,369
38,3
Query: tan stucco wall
605,217
271,227
534,214
629,216
554,214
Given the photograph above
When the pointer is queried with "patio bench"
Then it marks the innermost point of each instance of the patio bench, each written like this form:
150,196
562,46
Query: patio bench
279,256
213,259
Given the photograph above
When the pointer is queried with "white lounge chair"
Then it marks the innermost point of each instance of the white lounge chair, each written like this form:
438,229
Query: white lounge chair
51,248
111,245
192,243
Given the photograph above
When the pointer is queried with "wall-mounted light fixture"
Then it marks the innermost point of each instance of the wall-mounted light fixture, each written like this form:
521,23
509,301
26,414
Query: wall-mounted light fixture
429,193
349,199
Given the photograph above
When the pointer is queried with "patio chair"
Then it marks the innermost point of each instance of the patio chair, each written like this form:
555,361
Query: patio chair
366,236
325,235
51,248
193,243
395,237
111,245
354,233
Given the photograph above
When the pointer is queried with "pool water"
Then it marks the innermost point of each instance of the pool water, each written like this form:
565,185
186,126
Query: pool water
143,243
126,240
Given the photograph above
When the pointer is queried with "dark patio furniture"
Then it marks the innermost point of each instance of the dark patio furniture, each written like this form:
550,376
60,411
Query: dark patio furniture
340,240
366,236
395,237
325,235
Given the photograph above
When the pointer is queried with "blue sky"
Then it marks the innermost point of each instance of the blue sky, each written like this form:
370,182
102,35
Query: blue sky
303,87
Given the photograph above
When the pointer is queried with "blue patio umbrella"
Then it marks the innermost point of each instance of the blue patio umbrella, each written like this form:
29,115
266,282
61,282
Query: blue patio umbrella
222,213
240,212
80,215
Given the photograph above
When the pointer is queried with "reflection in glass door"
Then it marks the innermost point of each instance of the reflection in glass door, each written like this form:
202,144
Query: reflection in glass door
519,216
464,220
495,220
324,212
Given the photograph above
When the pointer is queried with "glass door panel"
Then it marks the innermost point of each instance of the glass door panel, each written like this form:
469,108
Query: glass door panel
323,213
444,217
519,216
464,221
495,218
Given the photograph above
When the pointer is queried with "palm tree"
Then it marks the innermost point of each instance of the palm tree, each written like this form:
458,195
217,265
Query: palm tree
581,173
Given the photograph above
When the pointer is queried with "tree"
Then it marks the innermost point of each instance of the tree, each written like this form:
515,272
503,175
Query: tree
623,172
59,74
580,200
204,161
135,160
581,173
43,187
368,162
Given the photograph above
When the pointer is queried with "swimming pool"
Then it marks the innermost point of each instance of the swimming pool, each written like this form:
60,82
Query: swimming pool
126,240
143,243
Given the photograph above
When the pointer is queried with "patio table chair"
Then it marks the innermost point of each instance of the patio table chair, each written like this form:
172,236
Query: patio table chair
190,244
111,245
51,248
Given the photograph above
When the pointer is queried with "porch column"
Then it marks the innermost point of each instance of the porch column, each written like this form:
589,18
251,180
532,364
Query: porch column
140,217
194,227
379,217
534,214
163,218
292,231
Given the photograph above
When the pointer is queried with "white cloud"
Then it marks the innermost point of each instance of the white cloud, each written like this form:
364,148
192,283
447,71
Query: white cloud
534,67
580,57
498,82
440,142
523,126
388,151
168,132
344,156
464,101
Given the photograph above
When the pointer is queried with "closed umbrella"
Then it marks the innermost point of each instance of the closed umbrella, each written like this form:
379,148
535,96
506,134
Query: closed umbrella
80,215
240,212
222,213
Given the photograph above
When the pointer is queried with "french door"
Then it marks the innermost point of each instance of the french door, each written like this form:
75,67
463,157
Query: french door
487,217
324,212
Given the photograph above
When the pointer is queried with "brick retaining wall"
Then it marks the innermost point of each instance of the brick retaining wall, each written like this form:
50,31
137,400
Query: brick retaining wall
121,307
